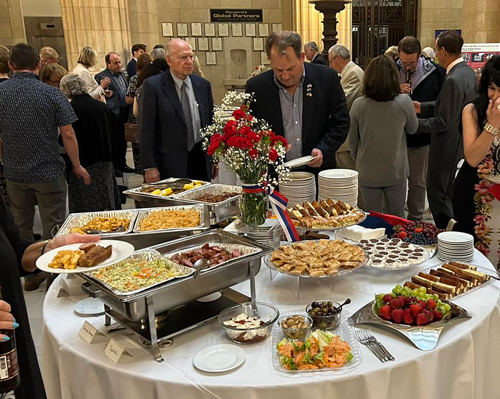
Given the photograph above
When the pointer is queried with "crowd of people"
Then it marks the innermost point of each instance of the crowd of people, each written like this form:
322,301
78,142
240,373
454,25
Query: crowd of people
403,123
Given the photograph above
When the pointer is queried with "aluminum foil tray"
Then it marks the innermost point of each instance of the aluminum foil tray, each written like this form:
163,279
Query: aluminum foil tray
245,251
144,213
172,180
214,189
81,219
302,230
141,256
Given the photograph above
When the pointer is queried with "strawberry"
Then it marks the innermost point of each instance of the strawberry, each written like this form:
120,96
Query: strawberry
397,315
387,298
395,303
418,229
407,301
415,309
431,304
408,318
422,319
402,300
437,315
402,235
385,312
422,303
428,313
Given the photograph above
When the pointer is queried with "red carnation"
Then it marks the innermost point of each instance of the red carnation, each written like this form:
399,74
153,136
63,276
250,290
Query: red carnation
275,139
215,141
230,128
245,131
273,155
239,142
253,154
238,114
254,137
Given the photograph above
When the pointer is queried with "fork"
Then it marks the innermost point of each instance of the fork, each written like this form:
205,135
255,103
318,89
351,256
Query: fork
366,341
372,338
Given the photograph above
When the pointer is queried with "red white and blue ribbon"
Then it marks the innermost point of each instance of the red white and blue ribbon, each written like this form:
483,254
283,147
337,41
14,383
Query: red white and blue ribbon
278,203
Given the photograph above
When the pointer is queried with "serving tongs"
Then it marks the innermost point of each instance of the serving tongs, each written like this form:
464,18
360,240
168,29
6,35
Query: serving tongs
175,184
119,229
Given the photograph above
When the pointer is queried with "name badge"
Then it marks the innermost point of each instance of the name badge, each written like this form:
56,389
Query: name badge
87,332
113,351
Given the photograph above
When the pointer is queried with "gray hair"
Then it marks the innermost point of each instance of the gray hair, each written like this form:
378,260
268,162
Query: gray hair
282,40
312,45
158,53
72,86
429,53
341,50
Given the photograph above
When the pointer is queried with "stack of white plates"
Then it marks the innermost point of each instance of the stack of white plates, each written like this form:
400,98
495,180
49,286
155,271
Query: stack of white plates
339,184
268,234
455,246
299,188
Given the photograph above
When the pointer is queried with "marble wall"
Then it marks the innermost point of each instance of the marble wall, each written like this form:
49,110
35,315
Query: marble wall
438,15
481,21
11,22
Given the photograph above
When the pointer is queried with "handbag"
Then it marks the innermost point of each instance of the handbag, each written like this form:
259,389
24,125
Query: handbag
131,132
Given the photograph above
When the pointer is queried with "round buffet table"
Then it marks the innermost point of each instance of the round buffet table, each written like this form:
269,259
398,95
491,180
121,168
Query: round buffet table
464,364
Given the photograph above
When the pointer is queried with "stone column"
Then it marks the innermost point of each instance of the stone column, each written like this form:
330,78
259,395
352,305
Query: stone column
101,24
143,17
11,22
481,21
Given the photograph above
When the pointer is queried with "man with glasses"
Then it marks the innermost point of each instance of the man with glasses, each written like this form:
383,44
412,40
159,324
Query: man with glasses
443,118
422,80
176,105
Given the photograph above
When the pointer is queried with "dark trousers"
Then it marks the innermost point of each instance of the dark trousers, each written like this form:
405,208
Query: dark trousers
118,143
197,168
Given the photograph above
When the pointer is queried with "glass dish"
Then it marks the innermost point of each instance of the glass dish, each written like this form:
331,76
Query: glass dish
325,322
295,333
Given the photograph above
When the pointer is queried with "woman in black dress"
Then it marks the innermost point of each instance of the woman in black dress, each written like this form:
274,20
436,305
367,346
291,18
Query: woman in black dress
4,71
18,259
92,131
476,194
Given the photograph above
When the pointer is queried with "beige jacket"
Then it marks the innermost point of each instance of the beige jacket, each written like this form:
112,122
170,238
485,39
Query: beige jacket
352,82
94,89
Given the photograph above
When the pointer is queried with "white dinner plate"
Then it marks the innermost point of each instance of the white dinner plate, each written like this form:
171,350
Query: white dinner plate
295,163
454,237
89,307
219,358
121,250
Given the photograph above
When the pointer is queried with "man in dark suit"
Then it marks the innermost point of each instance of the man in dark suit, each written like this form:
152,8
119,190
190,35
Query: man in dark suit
303,102
137,50
176,105
446,148
115,99
313,55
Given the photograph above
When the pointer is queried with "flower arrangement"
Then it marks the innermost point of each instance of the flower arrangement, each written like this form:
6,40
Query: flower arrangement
248,147
258,70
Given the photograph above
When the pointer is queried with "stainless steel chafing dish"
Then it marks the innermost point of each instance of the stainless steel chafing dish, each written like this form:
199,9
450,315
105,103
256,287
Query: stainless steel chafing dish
165,310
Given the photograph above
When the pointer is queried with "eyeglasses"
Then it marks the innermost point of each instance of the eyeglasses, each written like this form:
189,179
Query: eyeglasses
184,58
409,64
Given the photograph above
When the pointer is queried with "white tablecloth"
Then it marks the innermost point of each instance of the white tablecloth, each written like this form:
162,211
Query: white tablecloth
464,364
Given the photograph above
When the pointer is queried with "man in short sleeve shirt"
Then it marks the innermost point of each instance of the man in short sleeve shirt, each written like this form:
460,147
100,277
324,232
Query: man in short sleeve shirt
31,113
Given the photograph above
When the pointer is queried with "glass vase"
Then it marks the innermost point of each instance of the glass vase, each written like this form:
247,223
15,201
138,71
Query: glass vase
253,208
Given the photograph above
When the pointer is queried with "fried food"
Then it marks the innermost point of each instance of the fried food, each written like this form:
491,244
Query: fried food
95,256
105,225
171,219
66,259
214,198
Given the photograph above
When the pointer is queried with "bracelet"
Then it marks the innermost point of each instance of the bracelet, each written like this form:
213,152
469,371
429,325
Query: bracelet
45,246
491,129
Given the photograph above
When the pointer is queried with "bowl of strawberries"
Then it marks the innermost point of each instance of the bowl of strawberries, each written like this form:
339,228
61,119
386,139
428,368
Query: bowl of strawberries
410,307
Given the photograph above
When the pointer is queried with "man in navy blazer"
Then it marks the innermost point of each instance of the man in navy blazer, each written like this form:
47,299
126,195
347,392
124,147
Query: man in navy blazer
176,105
302,101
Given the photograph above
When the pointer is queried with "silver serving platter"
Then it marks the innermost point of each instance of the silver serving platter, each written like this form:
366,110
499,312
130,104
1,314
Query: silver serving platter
214,189
170,181
144,213
302,230
423,337
144,255
245,251
341,272
81,219
437,266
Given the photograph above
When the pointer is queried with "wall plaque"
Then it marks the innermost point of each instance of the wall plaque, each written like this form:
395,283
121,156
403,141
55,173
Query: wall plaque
217,15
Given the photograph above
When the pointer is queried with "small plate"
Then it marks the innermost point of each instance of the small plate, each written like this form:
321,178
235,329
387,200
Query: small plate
89,307
121,250
210,297
219,358
295,163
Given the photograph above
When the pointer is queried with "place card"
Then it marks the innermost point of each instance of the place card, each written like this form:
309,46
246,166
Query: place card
216,44
264,30
203,43
114,351
237,29
277,27
196,29
167,29
223,29
209,29
211,58
250,30
87,332
258,44
182,29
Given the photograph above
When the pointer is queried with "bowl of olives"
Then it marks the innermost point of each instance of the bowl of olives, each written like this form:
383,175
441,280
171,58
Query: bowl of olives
296,326
324,314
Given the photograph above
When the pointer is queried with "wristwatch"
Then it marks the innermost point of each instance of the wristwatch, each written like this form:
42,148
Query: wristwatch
491,130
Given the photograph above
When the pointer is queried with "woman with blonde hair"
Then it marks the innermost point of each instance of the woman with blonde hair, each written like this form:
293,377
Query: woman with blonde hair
48,55
86,60
197,67
52,74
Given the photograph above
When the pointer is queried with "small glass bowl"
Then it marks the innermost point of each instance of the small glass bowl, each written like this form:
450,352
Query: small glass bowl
294,333
325,322
267,313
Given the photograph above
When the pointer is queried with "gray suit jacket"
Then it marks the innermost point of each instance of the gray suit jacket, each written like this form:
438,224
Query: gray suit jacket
446,124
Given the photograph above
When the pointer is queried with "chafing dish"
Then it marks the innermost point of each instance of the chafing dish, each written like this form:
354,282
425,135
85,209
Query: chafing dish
175,301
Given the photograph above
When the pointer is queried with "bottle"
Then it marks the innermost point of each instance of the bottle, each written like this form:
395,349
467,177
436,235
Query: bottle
9,368
409,75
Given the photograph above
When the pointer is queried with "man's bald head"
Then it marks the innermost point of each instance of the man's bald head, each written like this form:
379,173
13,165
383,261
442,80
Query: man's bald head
180,58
